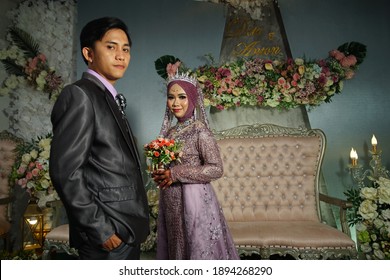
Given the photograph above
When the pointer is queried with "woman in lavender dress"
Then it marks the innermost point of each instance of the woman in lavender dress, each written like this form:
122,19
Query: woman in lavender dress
191,224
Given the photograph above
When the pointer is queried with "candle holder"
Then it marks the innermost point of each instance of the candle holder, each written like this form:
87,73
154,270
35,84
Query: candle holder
377,170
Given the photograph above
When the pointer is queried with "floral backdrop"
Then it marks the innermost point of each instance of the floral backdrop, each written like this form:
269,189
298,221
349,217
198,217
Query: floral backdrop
51,24
36,58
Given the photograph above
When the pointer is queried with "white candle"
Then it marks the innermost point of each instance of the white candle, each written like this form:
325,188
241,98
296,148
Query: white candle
354,156
374,143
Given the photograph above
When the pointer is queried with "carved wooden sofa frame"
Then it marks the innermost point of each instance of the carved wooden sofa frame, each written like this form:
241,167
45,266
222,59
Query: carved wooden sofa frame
270,196
57,240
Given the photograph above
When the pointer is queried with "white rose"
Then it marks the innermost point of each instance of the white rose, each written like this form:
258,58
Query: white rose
45,154
361,227
45,143
384,194
368,193
299,61
378,223
26,158
34,154
31,185
367,210
366,248
45,184
379,254
384,182
386,214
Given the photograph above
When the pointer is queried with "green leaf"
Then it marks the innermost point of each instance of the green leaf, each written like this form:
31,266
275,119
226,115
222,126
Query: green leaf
24,41
161,64
12,68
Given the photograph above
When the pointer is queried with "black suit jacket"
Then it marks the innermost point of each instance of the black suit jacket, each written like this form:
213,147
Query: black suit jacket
95,168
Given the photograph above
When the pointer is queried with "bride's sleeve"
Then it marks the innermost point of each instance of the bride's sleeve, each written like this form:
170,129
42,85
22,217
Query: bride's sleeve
209,154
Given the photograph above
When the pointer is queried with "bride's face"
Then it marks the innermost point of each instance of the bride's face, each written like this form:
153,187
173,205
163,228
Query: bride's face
177,101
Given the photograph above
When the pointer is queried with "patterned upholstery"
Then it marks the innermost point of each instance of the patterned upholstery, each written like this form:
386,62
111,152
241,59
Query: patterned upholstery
8,144
270,193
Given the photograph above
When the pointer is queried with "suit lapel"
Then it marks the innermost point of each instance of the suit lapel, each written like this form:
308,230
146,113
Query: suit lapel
123,125
120,119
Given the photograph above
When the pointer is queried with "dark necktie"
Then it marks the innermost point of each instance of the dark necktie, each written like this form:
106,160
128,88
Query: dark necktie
121,101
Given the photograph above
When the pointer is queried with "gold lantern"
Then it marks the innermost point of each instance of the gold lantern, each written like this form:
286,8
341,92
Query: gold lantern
32,228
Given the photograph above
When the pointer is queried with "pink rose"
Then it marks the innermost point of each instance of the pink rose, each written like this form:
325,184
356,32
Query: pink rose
22,182
336,54
21,170
42,57
35,172
38,165
173,68
281,81
220,107
348,61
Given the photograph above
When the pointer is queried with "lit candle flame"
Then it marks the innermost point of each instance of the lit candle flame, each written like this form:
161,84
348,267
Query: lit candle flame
374,143
373,140
354,156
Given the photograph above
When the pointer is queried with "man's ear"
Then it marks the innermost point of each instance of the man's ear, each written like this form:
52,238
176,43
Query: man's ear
88,54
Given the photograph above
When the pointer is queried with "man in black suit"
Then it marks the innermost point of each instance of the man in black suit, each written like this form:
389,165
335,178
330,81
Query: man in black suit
94,164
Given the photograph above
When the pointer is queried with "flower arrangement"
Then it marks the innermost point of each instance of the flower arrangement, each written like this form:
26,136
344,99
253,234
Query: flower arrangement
273,83
161,152
31,170
371,215
25,63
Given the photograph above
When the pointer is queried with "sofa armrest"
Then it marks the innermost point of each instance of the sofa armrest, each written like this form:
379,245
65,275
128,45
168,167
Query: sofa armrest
59,215
343,206
6,200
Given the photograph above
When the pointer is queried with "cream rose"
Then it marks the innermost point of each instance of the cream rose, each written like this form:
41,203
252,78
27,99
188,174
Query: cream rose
26,158
384,194
367,210
386,214
368,193
45,143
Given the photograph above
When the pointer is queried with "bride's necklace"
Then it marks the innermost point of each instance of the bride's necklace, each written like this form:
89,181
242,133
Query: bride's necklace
181,125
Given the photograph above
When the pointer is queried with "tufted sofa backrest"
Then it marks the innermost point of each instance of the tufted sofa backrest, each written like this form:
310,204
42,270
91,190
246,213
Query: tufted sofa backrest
270,173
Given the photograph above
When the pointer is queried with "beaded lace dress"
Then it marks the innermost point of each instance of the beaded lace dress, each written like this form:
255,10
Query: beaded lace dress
191,224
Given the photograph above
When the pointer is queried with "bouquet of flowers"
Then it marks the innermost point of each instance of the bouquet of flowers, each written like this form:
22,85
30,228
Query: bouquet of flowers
161,152
371,215
31,170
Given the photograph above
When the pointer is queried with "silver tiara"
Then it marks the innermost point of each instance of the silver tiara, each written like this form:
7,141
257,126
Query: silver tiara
183,77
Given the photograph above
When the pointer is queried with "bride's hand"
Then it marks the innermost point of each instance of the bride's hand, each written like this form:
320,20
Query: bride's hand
162,177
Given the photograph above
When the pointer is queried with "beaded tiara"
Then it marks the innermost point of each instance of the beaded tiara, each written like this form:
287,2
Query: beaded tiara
186,77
